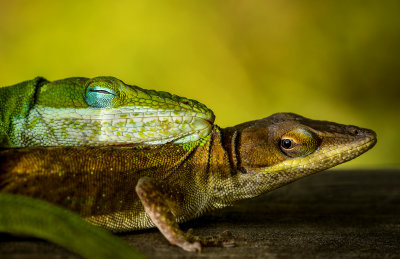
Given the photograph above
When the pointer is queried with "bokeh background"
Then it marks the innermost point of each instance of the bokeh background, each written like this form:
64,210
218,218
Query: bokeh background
245,59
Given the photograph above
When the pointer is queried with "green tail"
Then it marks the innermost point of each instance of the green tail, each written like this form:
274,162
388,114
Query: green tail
37,218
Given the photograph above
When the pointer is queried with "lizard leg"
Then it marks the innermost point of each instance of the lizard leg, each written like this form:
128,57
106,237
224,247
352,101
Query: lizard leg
155,203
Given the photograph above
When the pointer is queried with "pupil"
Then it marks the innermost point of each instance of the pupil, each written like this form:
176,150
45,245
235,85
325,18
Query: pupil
286,143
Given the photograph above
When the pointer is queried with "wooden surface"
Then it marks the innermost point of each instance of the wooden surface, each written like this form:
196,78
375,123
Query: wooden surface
334,214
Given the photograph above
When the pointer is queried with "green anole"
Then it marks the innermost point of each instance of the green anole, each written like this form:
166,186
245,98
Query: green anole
157,180
96,112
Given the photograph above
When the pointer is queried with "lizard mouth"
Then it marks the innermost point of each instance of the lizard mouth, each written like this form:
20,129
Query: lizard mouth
334,149
327,156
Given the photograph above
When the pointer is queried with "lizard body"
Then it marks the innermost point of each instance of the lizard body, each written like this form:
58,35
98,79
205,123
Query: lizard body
136,184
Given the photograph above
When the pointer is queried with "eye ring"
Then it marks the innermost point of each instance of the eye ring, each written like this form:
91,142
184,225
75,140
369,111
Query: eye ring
99,96
298,142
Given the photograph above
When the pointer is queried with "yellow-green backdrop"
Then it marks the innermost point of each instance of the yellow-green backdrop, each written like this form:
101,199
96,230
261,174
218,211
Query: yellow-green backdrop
245,59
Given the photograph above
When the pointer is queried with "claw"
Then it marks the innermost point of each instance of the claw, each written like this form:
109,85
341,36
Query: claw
191,247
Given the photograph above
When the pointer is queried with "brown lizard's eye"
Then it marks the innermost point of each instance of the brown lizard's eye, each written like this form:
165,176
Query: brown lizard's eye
298,142
286,143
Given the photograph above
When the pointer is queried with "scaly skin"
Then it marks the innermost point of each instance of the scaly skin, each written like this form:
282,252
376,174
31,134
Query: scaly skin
136,187
100,111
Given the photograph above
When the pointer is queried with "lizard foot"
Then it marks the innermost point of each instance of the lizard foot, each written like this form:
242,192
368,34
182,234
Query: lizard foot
160,208
224,239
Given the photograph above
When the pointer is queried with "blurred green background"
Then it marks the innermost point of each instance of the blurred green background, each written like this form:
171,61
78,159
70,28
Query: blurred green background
245,59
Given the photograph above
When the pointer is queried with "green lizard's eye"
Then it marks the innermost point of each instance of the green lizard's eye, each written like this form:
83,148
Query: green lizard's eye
298,142
99,97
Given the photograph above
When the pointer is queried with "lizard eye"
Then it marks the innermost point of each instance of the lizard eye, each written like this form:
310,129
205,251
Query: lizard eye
286,143
298,142
99,97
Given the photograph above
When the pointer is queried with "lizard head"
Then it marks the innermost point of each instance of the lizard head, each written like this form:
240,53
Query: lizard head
106,111
284,147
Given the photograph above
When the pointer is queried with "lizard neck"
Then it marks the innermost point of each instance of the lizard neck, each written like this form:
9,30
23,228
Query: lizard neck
227,180
16,103
232,181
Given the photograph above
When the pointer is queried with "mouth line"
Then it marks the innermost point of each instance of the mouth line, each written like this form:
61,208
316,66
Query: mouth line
361,148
